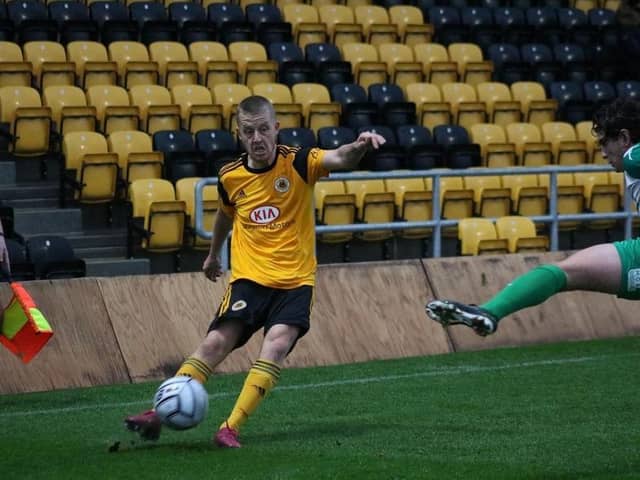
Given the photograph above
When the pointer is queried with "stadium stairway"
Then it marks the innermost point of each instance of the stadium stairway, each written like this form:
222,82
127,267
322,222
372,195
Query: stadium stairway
37,211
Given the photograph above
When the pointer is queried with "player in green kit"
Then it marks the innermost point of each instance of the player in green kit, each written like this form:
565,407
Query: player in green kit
609,268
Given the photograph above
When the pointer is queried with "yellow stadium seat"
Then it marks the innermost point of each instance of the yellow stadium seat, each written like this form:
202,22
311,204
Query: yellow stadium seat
414,203
430,108
113,108
253,65
377,28
174,65
402,68
334,206
412,28
437,66
601,196
134,65
29,122
495,150
501,108
570,197
93,66
197,109
341,24
472,67
531,150
305,23
318,109
213,62
136,158
528,197
521,234
566,148
536,107
186,192
585,5
14,71
366,65
157,111
617,178
584,133
375,205
289,114
465,107
229,95
490,198
90,167
161,216
49,62
69,109
456,202
478,236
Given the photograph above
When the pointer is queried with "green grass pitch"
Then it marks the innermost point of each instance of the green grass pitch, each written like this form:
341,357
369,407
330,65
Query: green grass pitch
563,411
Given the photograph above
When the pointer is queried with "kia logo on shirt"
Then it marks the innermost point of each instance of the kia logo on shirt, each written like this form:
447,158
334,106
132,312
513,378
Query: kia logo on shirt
265,214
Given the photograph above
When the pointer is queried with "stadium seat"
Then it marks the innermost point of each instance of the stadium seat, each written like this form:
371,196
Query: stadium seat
113,20
530,148
213,62
584,133
191,19
374,205
601,196
447,23
456,202
153,22
628,88
157,112
575,65
113,108
73,21
185,191
376,26
22,269
218,147
431,110
472,67
69,109
501,108
229,95
333,137
134,65
496,151
341,24
570,198
421,152
566,148
136,156
49,62
292,67
528,197
521,234
414,203
289,114
90,169
181,158
389,156
31,22
158,219
367,67
14,71
306,25
174,65
437,66
197,109
572,106
459,151
297,137
253,65
465,107
53,258
26,120
536,107
334,206
392,107
507,63
402,68
412,29
490,198
318,109
93,66
357,111
478,236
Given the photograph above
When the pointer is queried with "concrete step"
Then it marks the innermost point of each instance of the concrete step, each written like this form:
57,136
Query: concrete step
47,220
7,173
29,190
119,251
111,267
97,238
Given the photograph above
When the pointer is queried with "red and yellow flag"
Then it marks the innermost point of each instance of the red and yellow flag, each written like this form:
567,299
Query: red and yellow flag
24,329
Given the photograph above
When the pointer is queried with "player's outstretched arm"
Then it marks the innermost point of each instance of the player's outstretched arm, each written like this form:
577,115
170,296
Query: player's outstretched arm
212,266
348,156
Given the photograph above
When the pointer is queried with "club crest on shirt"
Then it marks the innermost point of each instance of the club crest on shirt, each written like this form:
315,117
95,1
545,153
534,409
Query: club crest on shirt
282,184
239,305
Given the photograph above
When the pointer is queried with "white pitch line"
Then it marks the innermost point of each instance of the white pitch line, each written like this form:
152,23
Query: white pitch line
437,372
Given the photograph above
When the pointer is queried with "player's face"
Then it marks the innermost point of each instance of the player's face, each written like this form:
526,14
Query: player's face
258,134
613,149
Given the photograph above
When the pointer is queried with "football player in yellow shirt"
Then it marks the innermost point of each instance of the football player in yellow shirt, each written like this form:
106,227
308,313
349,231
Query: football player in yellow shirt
266,202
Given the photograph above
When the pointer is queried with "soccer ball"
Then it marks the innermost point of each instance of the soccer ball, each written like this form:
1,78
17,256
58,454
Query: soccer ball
181,402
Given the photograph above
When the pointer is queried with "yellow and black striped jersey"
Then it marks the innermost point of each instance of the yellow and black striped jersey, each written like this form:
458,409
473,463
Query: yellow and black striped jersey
273,236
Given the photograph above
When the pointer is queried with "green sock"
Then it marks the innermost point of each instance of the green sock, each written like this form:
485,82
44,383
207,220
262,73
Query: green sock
527,290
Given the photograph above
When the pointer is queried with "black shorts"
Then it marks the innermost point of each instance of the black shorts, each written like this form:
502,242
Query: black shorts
257,306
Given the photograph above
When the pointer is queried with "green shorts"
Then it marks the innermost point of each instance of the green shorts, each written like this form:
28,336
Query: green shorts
629,252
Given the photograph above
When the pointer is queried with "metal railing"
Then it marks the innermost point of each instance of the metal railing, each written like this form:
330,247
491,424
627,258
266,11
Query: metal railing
437,223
